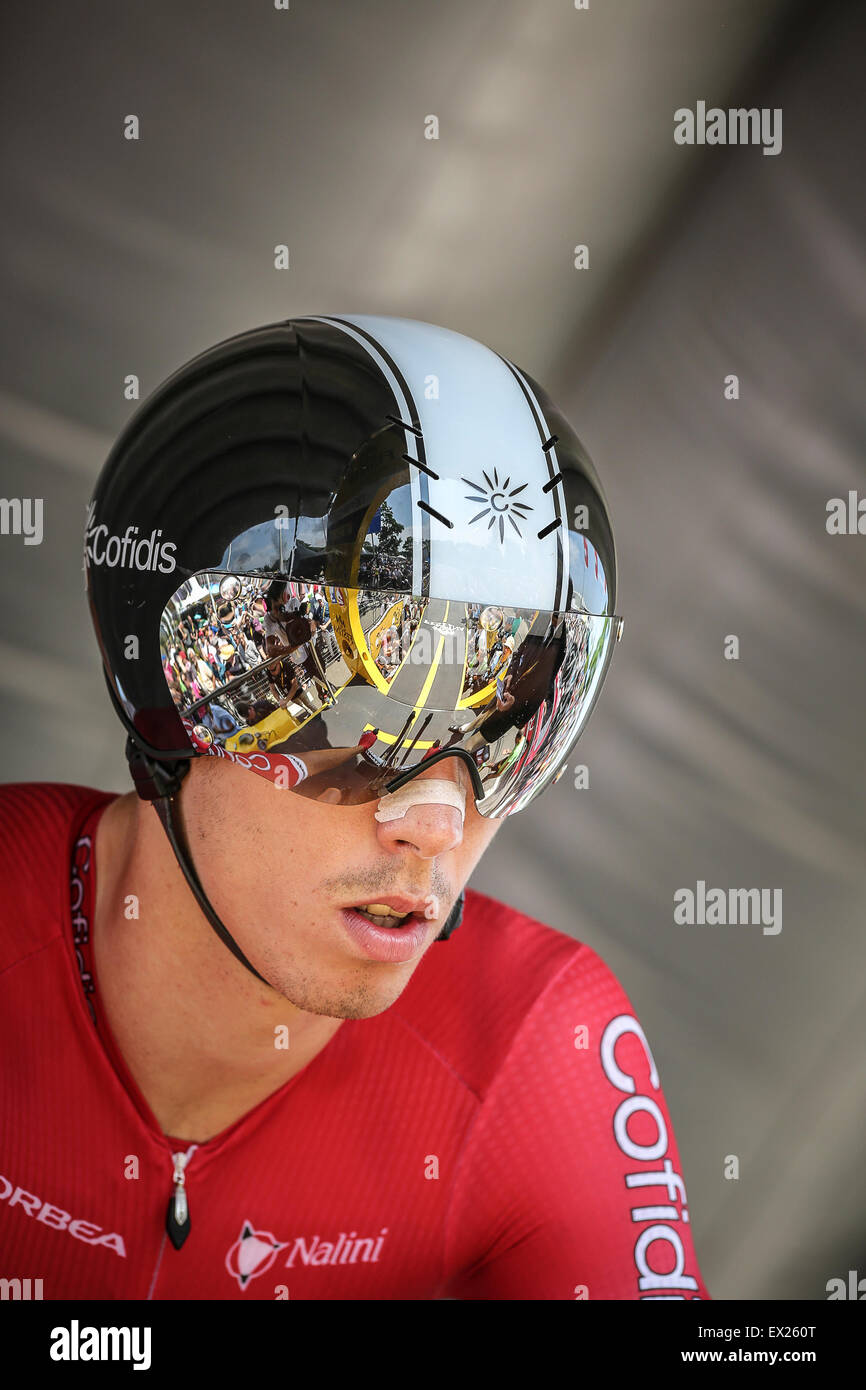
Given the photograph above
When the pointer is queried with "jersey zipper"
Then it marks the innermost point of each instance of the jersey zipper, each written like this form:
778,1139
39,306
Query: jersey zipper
177,1217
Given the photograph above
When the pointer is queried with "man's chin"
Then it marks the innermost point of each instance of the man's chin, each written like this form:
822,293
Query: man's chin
350,1001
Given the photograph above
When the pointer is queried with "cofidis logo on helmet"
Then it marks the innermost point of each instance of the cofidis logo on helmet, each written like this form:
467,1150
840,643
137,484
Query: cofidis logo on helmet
129,551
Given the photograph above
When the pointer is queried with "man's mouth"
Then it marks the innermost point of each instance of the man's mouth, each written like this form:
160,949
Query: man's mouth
381,915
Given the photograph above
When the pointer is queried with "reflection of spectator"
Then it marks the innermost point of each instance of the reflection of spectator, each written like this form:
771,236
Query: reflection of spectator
389,646
253,711
530,679
187,674
274,620
283,679
192,674
205,676
296,628
300,629
504,653
173,685
252,655
216,717
292,628
234,667
217,662
481,729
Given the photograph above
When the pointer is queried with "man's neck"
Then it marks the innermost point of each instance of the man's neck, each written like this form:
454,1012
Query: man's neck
204,1040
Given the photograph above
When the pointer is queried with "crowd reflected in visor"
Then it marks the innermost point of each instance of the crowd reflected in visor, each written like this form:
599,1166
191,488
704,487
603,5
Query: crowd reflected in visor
354,687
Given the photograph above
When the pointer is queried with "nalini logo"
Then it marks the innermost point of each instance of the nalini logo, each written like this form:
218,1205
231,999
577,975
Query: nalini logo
125,552
254,1252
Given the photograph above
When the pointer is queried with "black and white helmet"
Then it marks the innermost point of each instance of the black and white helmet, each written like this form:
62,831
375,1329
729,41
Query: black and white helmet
301,490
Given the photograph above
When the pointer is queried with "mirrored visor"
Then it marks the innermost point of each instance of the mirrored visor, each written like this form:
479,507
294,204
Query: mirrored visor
319,687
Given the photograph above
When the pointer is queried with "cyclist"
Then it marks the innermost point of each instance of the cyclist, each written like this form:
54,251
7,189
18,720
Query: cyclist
265,1043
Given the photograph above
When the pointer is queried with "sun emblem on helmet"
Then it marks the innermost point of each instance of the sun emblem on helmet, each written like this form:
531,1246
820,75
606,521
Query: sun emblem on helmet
499,503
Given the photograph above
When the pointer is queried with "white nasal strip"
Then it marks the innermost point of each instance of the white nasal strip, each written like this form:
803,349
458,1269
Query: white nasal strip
421,791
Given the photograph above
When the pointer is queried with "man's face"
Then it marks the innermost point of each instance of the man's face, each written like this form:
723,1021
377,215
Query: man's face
280,868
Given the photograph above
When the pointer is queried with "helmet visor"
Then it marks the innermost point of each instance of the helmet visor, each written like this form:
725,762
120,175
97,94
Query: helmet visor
319,687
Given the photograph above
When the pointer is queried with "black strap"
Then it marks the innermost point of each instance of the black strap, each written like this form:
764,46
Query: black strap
167,809
455,917
160,783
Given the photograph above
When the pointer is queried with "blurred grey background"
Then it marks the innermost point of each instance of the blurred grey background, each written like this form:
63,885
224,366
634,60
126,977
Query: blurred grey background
556,128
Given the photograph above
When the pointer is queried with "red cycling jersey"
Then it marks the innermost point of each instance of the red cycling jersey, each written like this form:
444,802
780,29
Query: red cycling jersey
499,1132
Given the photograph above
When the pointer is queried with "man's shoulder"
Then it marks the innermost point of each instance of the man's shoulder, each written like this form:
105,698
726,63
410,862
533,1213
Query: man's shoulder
508,946
42,808
37,821
471,995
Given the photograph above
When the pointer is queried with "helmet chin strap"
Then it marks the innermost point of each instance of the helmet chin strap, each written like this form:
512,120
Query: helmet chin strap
159,782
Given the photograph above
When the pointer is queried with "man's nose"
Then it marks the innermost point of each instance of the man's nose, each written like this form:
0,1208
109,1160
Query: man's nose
430,827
